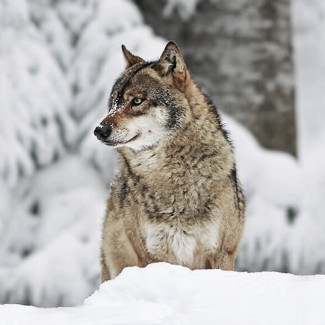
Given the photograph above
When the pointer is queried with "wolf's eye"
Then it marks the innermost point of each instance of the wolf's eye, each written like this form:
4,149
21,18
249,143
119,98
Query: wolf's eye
136,101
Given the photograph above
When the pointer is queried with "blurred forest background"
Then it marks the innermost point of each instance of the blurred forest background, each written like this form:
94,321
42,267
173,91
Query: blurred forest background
261,61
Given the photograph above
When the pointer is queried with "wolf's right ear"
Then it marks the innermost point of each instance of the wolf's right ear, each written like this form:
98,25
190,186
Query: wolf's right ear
171,65
130,58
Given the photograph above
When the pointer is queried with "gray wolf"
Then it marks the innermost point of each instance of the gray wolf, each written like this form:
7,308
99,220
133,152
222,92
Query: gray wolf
176,197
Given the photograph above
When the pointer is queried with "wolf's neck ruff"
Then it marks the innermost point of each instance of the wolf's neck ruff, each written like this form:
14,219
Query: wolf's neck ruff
176,198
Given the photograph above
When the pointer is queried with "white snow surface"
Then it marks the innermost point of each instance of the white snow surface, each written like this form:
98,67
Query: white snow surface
167,294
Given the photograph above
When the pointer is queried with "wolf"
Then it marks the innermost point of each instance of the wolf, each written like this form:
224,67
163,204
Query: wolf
176,197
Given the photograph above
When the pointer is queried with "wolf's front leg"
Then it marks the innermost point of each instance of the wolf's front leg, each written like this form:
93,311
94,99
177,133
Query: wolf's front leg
104,273
115,256
223,260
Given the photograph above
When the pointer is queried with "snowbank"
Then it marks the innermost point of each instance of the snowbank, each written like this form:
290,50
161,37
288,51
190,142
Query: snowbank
167,294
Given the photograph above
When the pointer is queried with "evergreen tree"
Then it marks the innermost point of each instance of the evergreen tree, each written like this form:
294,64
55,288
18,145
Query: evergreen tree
35,125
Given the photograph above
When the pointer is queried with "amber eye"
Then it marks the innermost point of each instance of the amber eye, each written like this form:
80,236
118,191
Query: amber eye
137,101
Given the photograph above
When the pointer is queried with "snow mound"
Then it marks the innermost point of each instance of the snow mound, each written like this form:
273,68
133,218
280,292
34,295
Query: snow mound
168,294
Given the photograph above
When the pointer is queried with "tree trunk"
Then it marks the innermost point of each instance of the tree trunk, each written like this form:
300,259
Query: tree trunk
241,53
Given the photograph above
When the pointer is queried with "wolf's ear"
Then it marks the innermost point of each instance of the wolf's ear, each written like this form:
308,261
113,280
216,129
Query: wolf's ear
171,64
130,58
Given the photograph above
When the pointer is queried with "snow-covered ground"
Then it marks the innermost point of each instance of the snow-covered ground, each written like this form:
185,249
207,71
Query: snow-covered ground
168,294
54,177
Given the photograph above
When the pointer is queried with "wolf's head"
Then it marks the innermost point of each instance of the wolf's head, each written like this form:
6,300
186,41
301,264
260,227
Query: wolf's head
147,103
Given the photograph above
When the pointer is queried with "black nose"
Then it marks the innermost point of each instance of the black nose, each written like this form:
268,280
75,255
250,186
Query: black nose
102,132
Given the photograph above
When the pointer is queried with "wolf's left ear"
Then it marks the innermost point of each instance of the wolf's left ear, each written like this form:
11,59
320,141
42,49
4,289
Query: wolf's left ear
171,64
130,58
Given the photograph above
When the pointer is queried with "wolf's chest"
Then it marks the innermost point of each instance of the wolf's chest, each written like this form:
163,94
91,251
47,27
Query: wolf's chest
181,244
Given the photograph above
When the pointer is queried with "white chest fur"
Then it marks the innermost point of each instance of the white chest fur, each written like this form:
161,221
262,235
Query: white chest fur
165,239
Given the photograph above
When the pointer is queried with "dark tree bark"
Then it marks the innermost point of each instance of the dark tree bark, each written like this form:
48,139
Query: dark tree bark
240,52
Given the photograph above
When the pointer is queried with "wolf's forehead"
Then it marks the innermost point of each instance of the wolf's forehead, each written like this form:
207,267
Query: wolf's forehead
125,79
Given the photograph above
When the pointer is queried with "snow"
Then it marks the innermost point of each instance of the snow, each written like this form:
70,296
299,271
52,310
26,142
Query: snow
309,43
168,294
309,40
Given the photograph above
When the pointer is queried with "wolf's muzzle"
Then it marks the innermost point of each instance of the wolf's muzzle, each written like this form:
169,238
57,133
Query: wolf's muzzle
102,132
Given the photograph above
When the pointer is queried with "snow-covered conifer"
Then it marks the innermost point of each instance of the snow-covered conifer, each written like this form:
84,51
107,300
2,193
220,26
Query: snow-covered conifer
35,124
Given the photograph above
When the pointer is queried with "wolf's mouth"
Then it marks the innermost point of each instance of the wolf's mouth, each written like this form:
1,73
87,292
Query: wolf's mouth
116,144
134,138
